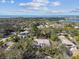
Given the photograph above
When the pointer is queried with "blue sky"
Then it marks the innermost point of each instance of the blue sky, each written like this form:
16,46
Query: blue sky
39,7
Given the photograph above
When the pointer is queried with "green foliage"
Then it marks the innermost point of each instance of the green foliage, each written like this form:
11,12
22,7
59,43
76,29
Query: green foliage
54,37
1,35
34,30
13,54
2,54
1,43
75,57
15,38
77,38
23,48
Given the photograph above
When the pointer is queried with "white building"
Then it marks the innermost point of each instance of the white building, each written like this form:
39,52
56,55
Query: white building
42,42
40,26
65,41
23,34
68,43
76,27
3,39
9,44
75,51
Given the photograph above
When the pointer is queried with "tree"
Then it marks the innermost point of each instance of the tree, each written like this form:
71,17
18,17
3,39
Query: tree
35,30
1,43
1,35
13,54
53,37
77,38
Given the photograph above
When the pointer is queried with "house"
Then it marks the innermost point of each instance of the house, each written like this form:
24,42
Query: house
27,29
9,44
40,26
41,42
75,51
48,57
65,41
3,39
55,25
69,44
23,34
76,27
14,33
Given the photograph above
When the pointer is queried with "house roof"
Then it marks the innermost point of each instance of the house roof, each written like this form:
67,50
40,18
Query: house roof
43,41
64,40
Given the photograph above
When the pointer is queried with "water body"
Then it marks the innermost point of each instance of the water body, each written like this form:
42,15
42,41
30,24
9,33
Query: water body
71,20
34,16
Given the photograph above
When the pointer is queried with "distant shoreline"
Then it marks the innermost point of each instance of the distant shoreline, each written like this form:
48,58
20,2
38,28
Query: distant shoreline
34,16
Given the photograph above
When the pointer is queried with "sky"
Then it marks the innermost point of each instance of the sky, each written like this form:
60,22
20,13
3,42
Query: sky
39,7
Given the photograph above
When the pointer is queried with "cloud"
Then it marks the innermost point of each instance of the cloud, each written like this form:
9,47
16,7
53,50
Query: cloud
41,6
56,3
7,1
40,1
75,10
57,11
35,4
14,12
43,11
32,4
21,11
3,1
12,1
